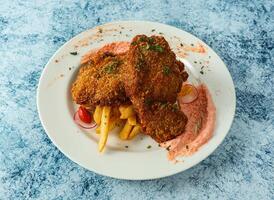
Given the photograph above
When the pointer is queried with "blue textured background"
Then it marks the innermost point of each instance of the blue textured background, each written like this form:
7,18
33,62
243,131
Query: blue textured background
31,167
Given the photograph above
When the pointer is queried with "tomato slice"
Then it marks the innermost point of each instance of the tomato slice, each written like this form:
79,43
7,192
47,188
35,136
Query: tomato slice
84,115
188,94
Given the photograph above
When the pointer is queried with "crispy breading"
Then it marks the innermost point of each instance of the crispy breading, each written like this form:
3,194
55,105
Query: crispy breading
147,74
99,81
154,78
153,71
162,121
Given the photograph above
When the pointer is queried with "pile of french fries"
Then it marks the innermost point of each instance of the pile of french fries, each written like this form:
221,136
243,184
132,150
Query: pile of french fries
107,118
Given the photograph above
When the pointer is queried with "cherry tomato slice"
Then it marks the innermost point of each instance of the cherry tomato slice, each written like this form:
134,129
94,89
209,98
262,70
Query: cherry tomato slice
84,115
188,94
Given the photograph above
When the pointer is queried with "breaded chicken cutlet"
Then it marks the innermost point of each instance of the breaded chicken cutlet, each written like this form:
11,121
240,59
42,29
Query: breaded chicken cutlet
146,75
153,70
154,78
162,121
99,81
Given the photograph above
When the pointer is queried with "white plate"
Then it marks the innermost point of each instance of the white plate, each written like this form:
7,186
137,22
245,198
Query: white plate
136,162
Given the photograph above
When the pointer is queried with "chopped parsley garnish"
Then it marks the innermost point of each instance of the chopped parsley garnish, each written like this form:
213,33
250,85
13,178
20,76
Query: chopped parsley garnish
166,70
163,105
74,53
201,72
142,39
134,43
152,30
145,47
151,40
112,67
157,48
175,107
149,146
148,102
160,33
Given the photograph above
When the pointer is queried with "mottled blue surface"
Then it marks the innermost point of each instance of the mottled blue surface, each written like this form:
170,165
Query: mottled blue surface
31,167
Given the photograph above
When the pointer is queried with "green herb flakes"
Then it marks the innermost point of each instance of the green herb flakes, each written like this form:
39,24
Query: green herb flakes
163,105
142,39
148,102
157,48
166,70
74,53
175,107
151,40
112,67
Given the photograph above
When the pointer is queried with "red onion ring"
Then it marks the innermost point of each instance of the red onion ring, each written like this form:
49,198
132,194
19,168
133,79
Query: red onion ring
82,124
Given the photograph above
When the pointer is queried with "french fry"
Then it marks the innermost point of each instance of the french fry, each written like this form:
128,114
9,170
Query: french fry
125,131
132,120
98,129
98,114
136,129
104,127
112,124
126,111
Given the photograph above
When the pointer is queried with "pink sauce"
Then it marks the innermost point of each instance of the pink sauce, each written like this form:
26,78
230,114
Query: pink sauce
115,47
201,123
201,113
197,49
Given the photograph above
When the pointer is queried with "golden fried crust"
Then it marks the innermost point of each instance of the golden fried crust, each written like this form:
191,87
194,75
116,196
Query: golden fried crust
153,70
162,121
99,81
155,76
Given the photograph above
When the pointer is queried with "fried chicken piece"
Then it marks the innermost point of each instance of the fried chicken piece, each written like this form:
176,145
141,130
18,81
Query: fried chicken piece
153,71
154,78
162,121
99,81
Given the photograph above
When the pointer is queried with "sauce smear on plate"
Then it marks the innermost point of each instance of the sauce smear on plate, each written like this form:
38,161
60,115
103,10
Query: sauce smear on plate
201,115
